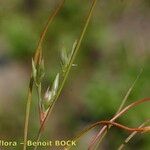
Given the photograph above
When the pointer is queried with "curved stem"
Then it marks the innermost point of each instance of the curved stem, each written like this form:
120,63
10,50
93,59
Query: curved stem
131,136
141,129
68,69
37,59
49,21
103,131
112,120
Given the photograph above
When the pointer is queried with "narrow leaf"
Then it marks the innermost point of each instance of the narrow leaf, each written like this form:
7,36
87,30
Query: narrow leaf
55,84
64,57
34,71
73,49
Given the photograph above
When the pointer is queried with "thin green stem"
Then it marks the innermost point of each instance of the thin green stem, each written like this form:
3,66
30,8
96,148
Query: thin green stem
38,88
27,113
37,59
49,21
129,91
68,68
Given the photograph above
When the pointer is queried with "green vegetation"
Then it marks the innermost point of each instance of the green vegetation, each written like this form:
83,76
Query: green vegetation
114,51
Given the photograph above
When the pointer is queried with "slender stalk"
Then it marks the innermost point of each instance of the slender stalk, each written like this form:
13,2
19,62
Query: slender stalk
27,113
123,111
118,125
132,135
37,59
68,68
129,91
38,88
104,130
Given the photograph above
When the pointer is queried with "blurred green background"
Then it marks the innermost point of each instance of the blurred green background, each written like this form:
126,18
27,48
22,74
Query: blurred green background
115,48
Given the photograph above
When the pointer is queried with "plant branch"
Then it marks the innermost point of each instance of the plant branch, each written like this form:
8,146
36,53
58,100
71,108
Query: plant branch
37,60
123,111
131,136
68,68
104,130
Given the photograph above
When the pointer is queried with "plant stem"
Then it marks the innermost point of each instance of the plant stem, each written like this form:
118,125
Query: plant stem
123,111
129,91
104,130
37,59
27,113
38,88
68,68
132,135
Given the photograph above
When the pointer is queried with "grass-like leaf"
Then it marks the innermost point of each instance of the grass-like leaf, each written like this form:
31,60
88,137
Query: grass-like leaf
132,135
99,137
111,122
73,56
37,59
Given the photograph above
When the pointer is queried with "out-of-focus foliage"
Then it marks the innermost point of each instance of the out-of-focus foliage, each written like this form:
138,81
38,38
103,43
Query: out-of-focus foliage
114,50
